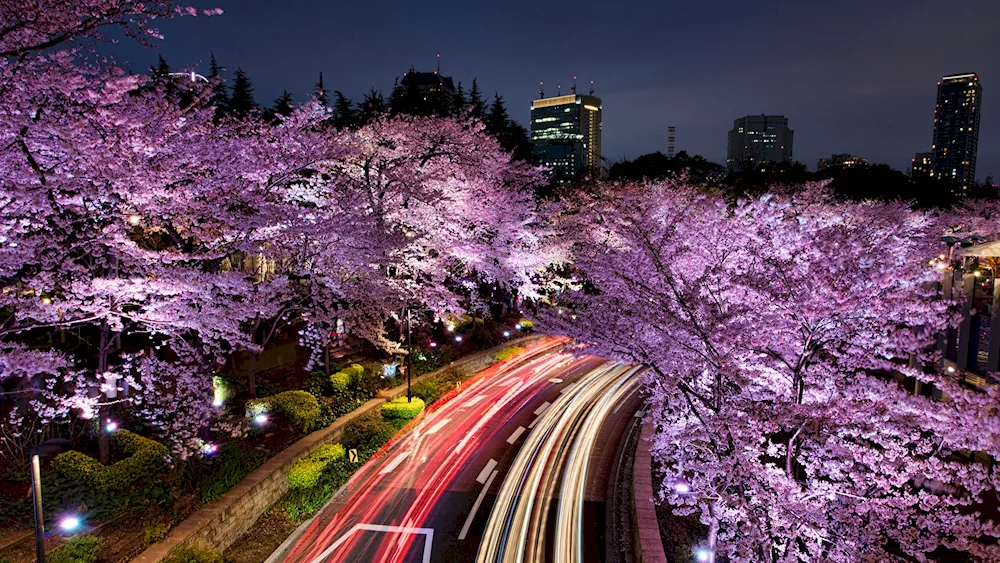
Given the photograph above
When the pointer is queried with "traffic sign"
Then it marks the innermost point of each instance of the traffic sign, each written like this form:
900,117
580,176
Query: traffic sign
352,455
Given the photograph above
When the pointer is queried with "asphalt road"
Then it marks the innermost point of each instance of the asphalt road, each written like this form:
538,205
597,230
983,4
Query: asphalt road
515,468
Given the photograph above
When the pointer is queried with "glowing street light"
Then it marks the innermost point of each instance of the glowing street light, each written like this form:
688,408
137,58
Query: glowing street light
434,344
134,219
260,419
703,555
458,339
69,524
506,334
111,426
682,488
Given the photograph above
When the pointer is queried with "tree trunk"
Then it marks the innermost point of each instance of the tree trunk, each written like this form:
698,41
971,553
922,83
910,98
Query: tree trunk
713,531
103,440
252,375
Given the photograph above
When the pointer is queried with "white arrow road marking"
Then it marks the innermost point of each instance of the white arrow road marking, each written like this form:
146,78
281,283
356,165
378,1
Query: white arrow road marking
429,532
437,426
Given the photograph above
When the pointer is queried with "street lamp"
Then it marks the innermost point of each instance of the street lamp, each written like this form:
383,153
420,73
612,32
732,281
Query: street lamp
54,446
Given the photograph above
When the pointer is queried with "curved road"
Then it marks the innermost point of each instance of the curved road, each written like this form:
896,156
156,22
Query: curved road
488,474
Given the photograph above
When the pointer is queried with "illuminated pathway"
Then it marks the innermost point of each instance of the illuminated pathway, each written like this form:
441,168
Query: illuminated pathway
428,497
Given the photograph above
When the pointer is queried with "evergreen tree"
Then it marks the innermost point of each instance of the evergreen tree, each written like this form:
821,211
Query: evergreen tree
219,99
242,104
319,91
161,70
282,107
344,114
459,102
496,120
373,107
477,107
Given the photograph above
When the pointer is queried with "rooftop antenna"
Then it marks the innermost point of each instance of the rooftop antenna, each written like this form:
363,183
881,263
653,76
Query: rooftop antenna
541,92
671,138
439,63
591,87
558,89
574,85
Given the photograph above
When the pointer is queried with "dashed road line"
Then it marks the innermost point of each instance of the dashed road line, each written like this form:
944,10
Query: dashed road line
517,434
485,473
475,507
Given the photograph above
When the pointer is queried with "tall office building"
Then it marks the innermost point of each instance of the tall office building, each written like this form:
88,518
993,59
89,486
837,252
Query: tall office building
923,166
956,130
758,139
566,133
423,93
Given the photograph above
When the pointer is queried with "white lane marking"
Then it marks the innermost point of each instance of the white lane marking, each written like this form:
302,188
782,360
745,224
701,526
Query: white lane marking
640,413
394,463
517,434
475,507
485,473
555,380
472,402
437,426
429,532
534,422
542,408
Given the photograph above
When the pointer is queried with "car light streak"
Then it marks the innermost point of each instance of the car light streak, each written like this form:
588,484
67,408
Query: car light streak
552,464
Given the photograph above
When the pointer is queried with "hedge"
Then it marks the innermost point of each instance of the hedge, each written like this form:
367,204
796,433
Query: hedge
398,411
343,378
526,325
188,554
301,407
508,353
305,473
82,549
146,457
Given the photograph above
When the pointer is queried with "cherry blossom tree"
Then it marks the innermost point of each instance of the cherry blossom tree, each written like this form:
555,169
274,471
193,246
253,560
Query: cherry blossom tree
777,331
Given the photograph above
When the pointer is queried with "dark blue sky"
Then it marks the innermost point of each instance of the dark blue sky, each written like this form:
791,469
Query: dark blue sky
851,76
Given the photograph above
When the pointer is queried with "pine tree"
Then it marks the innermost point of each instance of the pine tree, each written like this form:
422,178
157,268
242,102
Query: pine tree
344,114
496,120
459,103
242,104
282,107
219,99
161,70
373,107
476,104
319,91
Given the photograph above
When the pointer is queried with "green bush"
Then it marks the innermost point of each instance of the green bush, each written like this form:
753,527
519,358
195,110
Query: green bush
301,407
188,554
145,458
526,325
300,504
155,533
367,433
340,381
81,549
434,388
230,465
508,353
399,411
306,472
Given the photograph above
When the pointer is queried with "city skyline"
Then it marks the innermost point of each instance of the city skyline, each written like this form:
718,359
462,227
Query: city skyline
652,65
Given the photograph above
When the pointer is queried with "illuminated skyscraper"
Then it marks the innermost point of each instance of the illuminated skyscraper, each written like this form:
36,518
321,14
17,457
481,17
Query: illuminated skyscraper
566,133
923,167
758,139
956,130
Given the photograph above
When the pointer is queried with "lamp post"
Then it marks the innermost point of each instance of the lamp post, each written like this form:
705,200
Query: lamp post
46,448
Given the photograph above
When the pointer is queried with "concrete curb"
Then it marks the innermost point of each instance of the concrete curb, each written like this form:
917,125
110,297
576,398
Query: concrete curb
649,544
219,523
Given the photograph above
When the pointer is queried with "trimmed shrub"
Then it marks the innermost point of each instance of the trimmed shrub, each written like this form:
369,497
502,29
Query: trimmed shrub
301,407
81,549
156,533
508,353
188,554
306,472
526,325
367,433
398,411
345,377
146,457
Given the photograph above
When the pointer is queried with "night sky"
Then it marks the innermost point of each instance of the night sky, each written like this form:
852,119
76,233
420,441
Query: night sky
852,76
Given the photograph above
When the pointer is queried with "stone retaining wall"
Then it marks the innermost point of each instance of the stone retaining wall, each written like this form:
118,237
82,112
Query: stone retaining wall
221,522
648,543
